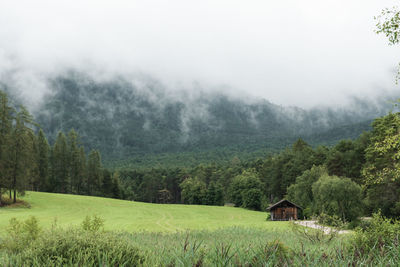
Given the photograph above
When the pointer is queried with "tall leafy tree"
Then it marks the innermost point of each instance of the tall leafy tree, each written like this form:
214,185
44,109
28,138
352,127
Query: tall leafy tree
338,196
382,168
242,183
301,191
193,191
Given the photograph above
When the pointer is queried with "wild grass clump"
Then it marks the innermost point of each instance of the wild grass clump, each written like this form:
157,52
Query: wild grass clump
28,245
379,234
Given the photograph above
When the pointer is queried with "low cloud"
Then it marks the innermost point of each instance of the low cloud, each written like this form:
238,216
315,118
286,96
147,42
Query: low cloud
304,53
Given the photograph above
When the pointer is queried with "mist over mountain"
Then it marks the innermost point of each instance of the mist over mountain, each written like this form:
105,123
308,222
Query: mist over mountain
127,118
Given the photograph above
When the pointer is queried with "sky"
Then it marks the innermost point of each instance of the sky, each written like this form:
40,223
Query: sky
299,53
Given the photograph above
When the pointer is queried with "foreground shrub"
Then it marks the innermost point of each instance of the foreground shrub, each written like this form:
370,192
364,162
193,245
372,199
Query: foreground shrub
380,234
92,224
60,247
331,220
324,234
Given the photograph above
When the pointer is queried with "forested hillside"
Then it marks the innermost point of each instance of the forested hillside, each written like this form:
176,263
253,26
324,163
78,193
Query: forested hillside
137,124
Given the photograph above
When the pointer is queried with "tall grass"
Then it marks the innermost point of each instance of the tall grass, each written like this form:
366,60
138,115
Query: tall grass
89,245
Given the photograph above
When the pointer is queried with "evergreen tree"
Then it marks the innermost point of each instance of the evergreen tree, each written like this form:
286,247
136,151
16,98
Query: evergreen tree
34,175
107,185
5,131
215,194
60,170
21,150
42,159
74,161
94,173
82,171
116,189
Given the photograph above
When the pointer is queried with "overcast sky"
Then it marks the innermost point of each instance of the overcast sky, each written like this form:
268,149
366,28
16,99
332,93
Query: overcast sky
290,52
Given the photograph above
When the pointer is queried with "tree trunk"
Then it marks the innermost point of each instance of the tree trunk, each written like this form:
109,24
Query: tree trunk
15,196
10,194
14,187
0,196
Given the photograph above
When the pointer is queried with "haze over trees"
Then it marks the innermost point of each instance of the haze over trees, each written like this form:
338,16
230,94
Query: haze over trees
352,178
127,123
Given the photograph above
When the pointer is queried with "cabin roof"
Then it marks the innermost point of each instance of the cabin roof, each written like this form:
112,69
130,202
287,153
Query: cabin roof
280,202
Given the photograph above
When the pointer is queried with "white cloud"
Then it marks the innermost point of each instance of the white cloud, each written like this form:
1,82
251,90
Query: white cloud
290,52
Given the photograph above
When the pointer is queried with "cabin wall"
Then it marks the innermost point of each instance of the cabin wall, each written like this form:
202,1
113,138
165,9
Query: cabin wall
284,214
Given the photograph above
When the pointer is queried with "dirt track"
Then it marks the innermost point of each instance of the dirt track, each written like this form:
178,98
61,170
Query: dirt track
315,225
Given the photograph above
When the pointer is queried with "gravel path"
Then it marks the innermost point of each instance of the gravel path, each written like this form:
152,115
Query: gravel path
315,225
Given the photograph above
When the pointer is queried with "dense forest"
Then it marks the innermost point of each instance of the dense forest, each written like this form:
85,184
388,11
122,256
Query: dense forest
351,178
141,123
28,162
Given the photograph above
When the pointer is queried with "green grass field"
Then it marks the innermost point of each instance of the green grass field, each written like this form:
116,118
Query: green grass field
121,215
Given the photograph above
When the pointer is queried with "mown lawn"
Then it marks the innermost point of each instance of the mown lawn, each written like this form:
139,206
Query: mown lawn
131,216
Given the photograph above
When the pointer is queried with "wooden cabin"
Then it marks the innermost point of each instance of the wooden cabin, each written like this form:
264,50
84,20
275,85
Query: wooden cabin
284,210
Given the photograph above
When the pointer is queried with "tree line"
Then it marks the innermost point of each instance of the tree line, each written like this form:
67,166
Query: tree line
352,178
28,162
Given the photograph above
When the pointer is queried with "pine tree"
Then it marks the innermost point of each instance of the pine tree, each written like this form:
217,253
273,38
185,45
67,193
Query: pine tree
5,132
74,161
42,159
107,185
94,173
60,163
34,175
20,150
116,189
82,171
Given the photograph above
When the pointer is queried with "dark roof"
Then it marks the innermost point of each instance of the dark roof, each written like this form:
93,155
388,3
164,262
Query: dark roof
283,200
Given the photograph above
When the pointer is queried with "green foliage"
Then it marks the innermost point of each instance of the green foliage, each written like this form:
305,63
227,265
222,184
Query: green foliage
383,153
318,236
381,170
280,171
133,130
346,159
380,234
42,158
301,191
60,165
337,196
240,186
330,220
193,191
92,224
215,194
27,245
78,248
20,234
252,199
94,173
388,23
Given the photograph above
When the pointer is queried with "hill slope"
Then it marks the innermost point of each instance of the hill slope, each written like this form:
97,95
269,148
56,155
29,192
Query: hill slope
130,119
132,216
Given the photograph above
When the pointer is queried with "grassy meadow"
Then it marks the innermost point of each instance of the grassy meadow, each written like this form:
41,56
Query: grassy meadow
166,235
143,234
129,216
